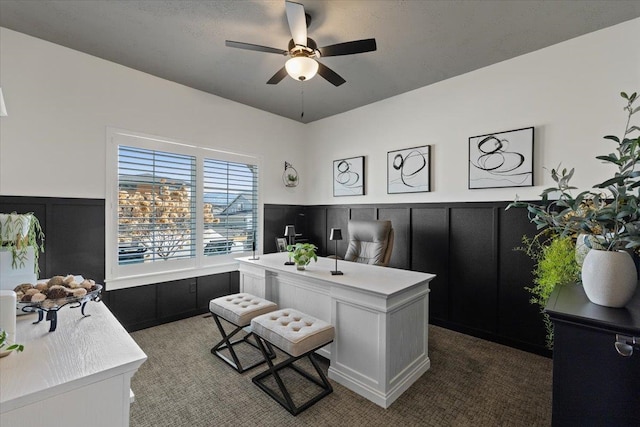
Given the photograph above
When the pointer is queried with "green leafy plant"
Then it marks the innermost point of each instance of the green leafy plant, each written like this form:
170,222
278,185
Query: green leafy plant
303,253
555,265
4,342
13,237
612,211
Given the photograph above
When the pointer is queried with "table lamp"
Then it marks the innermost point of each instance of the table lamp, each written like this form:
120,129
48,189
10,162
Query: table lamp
290,234
336,234
253,248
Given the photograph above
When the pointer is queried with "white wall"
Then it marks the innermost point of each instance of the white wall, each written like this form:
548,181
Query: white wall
61,101
569,92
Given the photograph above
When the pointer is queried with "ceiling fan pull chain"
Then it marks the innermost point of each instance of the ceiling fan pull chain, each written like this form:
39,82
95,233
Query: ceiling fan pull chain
301,100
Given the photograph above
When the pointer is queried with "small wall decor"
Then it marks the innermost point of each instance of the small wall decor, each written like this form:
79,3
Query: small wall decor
281,244
502,159
348,177
290,175
408,170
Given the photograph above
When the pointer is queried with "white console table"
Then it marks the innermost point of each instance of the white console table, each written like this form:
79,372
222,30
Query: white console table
380,315
78,375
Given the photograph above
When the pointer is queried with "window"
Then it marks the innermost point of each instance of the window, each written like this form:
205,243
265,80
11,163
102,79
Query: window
175,210
231,205
156,205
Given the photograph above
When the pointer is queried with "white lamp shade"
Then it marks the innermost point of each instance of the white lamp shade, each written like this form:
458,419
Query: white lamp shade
301,68
3,108
289,231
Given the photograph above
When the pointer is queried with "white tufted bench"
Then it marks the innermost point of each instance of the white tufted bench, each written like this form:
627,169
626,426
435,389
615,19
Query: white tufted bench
298,335
238,309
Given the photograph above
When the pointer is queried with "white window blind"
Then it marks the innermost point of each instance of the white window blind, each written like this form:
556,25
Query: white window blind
156,206
230,206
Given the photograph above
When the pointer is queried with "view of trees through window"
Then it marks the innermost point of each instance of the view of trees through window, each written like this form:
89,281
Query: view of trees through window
157,206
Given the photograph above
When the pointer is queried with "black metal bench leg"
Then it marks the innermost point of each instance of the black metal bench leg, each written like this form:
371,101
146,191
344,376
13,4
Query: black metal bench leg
286,401
227,343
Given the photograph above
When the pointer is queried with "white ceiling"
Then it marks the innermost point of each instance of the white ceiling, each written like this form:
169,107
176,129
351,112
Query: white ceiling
419,42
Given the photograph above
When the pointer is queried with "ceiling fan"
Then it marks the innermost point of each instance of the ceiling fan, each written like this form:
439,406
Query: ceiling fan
304,51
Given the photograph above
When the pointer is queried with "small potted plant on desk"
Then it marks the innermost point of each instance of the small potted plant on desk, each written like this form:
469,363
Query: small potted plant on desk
302,254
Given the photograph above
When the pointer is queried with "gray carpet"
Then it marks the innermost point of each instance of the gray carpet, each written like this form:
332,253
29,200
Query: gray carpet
471,382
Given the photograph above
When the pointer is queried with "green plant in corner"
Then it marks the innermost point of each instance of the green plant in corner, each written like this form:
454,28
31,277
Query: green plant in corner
12,347
18,232
303,253
609,214
555,265
612,212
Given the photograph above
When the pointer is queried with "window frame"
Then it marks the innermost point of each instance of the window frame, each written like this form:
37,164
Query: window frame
123,276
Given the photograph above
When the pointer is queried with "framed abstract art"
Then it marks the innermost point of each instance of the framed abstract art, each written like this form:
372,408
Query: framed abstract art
348,177
409,170
502,159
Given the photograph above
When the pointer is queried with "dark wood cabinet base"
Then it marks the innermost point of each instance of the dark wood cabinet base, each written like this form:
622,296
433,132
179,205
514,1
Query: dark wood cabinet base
593,385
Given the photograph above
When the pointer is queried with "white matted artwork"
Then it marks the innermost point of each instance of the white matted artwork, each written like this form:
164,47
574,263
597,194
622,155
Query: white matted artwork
348,177
408,170
502,159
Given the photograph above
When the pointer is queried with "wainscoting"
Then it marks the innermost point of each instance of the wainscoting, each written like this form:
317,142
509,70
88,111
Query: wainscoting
74,244
479,288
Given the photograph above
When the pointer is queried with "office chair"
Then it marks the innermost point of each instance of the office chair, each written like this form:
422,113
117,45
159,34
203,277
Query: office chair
370,242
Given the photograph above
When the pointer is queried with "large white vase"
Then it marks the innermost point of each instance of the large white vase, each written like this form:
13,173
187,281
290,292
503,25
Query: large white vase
581,246
609,278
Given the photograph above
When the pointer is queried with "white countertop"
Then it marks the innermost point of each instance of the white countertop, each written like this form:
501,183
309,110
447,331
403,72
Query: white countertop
81,351
385,281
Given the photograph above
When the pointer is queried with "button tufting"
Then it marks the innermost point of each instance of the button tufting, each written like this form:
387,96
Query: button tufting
284,323
297,319
296,329
274,318
285,314
244,305
308,323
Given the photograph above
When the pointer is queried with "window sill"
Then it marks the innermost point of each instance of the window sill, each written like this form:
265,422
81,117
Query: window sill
166,276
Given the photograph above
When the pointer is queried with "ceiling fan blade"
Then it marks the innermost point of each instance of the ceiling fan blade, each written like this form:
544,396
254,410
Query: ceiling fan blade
297,22
329,75
256,47
277,77
349,48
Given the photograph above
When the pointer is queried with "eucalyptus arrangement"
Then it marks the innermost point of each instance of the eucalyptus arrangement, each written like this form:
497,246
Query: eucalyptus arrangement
608,214
302,254
18,232
612,211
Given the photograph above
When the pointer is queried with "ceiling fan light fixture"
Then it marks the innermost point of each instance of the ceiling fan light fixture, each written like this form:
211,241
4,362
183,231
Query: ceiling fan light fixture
301,68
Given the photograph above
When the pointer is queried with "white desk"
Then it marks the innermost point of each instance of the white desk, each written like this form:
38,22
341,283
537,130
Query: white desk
380,315
78,375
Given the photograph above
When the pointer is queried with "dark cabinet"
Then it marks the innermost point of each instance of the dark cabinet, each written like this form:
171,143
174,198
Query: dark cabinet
592,383
135,308
176,298
141,307
210,287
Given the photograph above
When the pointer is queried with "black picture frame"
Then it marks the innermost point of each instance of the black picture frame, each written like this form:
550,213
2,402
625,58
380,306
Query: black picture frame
409,170
281,244
501,159
349,177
